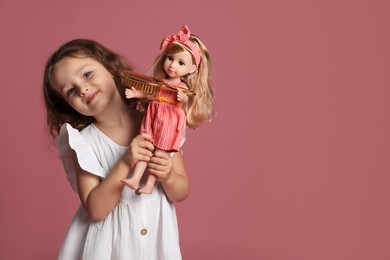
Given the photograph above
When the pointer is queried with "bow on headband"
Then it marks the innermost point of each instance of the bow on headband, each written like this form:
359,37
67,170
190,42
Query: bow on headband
182,37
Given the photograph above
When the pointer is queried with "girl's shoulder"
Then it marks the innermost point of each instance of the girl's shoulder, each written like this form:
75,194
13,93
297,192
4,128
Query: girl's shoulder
71,140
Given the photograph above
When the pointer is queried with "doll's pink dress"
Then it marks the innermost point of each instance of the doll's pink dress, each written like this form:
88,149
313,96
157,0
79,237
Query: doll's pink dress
138,228
165,119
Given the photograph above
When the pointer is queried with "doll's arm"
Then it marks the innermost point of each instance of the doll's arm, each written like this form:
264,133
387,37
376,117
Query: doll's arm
182,97
135,93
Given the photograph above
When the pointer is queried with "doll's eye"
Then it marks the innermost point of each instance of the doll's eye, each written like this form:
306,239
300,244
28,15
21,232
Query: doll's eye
169,58
181,63
87,74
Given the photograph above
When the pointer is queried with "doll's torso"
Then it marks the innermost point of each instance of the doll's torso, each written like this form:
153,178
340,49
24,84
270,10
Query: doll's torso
165,119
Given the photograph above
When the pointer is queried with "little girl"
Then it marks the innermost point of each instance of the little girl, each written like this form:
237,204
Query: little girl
184,64
96,132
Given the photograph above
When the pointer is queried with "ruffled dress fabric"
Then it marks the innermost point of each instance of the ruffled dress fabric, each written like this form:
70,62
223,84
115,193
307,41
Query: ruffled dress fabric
165,122
139,227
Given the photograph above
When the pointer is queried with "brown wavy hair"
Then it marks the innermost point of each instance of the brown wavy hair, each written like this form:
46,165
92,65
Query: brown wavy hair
57,109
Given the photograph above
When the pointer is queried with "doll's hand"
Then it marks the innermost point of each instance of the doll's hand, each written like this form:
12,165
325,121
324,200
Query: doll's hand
160,165
135,93
140,149
130,92
183,98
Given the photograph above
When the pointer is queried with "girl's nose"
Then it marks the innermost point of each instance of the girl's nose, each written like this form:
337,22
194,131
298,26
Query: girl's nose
84,89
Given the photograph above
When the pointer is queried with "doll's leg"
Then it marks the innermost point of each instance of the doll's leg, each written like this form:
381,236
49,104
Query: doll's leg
133,181
149,185
148,188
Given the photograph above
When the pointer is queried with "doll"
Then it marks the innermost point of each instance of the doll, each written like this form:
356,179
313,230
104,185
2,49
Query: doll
184,68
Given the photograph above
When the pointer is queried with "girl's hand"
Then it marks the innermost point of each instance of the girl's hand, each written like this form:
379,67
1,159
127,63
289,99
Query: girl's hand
140,149
160,165
183,98
140,107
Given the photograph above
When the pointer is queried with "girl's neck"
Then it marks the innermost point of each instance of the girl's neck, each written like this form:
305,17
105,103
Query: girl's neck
115,112
120,128
118,116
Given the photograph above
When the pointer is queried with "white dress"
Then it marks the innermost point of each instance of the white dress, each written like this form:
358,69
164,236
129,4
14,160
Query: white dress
139,227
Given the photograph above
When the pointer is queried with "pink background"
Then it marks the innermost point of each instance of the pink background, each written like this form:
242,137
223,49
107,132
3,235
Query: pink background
296,164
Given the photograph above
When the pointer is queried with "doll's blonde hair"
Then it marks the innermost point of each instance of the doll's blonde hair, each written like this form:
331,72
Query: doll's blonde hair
200,107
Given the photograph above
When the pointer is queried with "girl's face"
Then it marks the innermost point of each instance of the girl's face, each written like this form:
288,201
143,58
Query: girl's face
85,84
178,64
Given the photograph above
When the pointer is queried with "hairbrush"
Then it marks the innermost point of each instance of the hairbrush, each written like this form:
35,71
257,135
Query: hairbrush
147,84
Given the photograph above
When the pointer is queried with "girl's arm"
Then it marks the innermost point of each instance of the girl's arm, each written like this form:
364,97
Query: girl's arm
172,174
98,196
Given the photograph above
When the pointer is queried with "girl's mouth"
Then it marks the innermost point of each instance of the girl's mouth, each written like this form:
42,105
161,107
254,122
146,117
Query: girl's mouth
91,97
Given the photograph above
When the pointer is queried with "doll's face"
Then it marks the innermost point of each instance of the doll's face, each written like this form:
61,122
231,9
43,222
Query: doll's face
178,64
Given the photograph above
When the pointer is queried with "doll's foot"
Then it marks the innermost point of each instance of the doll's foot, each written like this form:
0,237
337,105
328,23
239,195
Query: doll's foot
130,183
147,189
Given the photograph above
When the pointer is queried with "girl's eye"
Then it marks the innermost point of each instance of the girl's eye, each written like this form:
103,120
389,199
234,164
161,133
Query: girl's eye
70,92
169,58
87,74
181,63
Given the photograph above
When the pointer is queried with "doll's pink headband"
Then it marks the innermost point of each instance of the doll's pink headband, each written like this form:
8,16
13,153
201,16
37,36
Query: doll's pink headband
183,37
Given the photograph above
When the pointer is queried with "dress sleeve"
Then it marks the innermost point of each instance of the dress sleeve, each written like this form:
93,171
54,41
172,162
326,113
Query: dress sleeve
70,139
